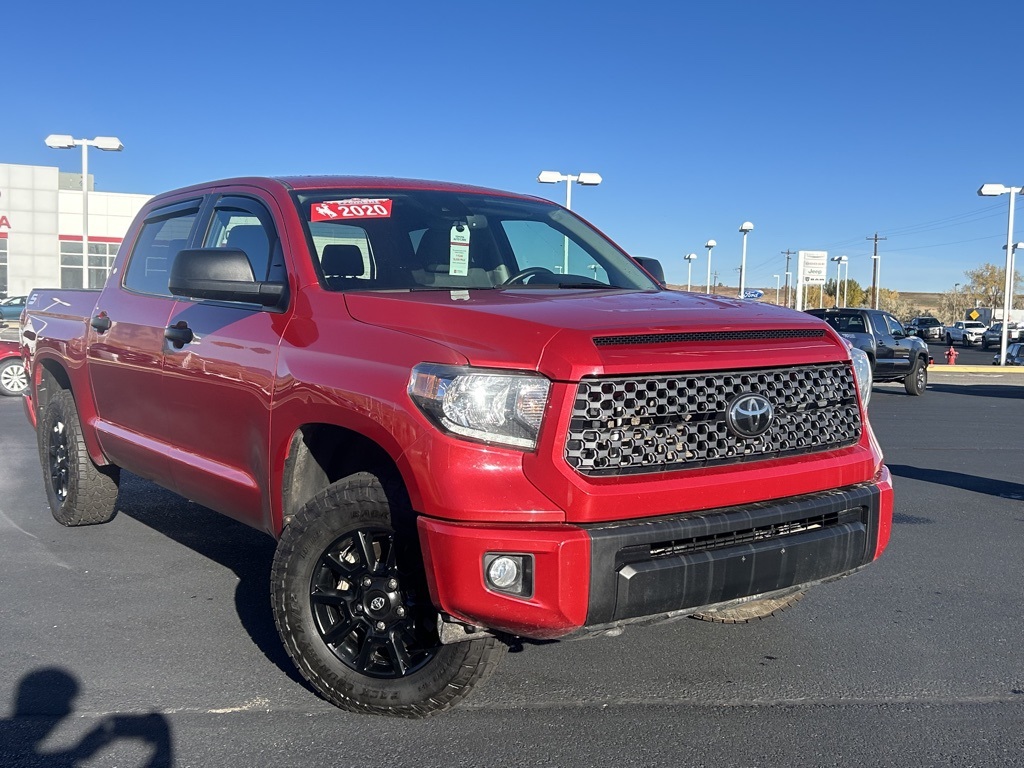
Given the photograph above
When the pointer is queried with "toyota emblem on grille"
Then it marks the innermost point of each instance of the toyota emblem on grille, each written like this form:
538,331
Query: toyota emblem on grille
377,603
749,415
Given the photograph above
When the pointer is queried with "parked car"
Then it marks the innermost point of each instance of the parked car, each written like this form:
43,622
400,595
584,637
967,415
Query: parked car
1014,355
13,380
894,356
10,308
926,328
966,332
994,335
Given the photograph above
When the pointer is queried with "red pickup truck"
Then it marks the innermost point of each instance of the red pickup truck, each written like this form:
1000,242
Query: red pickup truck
465,415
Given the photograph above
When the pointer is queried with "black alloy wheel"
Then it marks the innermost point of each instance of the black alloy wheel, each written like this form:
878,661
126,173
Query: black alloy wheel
57,460
361,611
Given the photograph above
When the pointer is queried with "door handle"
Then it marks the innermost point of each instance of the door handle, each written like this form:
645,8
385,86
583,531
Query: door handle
100,323
179,334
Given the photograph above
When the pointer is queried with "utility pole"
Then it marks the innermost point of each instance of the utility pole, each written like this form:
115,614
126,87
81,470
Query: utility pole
875,271
788,254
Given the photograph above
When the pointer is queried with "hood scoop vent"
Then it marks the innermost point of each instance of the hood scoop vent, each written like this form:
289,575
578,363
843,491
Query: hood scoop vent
676,338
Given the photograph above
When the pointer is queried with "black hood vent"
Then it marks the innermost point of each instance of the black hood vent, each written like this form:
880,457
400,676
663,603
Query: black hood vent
675,338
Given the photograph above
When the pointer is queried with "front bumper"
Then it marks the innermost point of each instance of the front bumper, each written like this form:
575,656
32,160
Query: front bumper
601,575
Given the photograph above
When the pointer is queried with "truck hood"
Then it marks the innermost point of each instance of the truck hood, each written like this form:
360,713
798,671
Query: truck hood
554,331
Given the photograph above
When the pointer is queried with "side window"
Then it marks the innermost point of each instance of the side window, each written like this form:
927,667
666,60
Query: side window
895,327
242,230
149,265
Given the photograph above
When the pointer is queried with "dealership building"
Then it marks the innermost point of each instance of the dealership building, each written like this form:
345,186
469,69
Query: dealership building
41,229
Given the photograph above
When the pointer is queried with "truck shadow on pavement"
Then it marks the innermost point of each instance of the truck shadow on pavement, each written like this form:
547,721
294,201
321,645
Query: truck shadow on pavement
45,698
973,483
1012,391
248,553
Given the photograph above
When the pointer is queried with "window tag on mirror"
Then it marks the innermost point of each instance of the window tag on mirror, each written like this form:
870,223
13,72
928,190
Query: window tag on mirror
458,255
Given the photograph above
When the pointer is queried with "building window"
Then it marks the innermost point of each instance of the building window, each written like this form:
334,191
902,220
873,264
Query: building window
92,273
3,267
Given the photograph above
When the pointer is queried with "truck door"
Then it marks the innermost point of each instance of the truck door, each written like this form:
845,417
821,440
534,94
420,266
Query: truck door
126,345
885,344
901,348
220,375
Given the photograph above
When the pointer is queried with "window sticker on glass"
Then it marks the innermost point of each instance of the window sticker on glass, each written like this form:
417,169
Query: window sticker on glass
354,208
458,263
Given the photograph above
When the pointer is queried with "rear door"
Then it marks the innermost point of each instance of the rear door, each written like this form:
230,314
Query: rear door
885,344
126,345
220,385
902,347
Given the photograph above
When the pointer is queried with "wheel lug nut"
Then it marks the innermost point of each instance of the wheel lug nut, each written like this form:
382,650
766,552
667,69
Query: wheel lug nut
366,581
358,608
400,611
392,584
381,626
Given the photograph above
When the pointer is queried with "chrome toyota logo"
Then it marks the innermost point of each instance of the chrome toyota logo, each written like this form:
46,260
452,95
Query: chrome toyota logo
749,415
377,603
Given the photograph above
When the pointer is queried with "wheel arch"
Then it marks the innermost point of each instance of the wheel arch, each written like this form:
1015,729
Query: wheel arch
320,454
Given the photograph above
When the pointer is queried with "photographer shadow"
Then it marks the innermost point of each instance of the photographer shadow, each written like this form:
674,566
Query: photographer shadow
45,697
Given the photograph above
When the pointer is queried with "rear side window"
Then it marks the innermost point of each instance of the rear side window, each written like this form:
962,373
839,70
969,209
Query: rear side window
161,238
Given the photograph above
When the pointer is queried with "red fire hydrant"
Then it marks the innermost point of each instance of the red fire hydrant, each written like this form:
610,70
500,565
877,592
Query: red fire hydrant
951,356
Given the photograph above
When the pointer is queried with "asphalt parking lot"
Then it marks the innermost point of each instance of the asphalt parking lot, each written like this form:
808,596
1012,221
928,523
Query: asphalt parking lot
151,639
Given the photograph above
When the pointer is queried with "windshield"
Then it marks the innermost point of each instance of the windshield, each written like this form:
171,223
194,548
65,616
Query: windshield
974,325
429,240
928,322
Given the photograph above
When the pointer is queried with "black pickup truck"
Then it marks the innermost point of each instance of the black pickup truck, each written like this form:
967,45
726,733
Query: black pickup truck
895,356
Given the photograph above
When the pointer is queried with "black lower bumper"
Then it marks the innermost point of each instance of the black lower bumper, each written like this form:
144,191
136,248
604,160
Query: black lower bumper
693,560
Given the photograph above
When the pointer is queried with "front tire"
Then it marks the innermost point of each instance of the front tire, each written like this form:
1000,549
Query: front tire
13,379
352,607
916,381
79,492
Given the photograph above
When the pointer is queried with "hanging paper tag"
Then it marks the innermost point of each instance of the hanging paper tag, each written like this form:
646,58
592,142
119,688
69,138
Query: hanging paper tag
458,263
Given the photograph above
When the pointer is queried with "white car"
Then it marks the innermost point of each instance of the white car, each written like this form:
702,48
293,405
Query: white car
967,332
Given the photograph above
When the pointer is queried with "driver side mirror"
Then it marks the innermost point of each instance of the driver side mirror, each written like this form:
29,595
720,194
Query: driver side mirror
221,274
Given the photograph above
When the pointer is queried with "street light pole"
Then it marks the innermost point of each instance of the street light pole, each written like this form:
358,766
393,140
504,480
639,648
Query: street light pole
776,289
554,177
789,276
106,143
689,268
994,190
745,228
709,245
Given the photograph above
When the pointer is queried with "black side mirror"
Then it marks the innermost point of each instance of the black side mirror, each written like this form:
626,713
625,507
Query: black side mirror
652,267
221,274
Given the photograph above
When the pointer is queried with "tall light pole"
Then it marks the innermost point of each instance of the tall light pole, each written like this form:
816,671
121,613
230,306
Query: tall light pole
994,190
776,289
709,245
745,227
1013,274
106,143
689,268
554,177
789,276
840,260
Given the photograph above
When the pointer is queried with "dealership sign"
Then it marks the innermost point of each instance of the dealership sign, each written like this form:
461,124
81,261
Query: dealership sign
810,270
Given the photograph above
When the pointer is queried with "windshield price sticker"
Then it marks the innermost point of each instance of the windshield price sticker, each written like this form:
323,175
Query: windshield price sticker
355,208
458,263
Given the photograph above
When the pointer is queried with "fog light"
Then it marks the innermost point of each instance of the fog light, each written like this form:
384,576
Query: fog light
511,574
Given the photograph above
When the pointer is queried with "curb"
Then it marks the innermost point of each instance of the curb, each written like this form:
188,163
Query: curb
1011,370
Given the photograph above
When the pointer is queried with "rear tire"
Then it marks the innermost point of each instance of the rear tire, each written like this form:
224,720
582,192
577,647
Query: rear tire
79,491
13,379
353,610
753,610
916,381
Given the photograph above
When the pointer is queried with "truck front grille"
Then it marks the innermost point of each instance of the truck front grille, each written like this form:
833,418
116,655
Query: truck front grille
661,423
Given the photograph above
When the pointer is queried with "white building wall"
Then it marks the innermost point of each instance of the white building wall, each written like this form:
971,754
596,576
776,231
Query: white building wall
37,214
28,200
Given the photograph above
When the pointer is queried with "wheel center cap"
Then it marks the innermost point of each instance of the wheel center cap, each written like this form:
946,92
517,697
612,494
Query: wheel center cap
377,604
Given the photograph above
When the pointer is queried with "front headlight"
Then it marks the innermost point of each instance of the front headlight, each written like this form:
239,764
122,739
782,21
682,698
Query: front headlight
482,404
862,373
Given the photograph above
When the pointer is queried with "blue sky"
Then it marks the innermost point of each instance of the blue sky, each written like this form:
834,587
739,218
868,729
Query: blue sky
820,122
